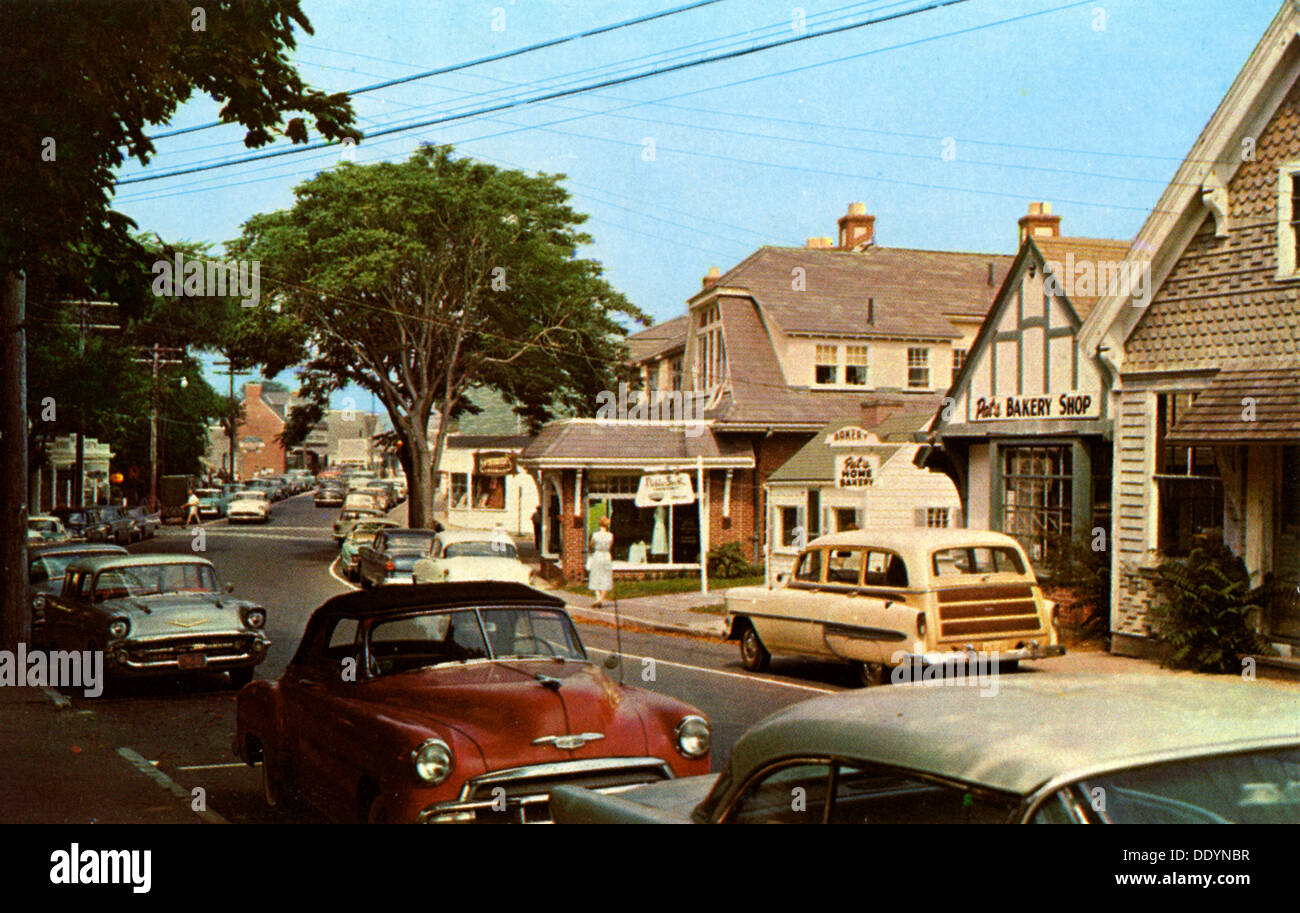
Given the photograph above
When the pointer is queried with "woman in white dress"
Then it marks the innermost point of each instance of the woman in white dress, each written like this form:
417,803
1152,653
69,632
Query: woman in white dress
600,564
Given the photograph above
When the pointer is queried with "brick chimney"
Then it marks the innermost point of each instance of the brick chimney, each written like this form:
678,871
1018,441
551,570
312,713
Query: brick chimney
1040,223
711,279
252,391
877,410
857,229
822,243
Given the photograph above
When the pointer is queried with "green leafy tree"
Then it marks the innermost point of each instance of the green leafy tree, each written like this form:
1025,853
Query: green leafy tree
420,280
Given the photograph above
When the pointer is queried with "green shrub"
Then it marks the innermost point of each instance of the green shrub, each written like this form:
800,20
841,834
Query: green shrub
1204,610
728,561
1073,564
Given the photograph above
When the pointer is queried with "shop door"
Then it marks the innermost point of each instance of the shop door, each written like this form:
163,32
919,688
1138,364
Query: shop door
1285,622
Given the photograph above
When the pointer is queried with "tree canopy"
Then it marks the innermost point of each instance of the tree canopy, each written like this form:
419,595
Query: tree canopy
420,279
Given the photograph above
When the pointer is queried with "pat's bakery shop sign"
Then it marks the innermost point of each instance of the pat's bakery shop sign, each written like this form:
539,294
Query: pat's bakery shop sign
1064,405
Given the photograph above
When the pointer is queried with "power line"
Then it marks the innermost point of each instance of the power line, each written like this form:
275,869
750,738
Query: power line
650,17
564,93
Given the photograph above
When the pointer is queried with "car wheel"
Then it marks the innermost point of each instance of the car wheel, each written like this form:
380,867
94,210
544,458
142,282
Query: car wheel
240,677
753,655
870,674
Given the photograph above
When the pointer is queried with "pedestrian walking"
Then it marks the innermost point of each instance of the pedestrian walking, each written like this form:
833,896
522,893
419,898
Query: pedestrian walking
192,504
537,528
600,564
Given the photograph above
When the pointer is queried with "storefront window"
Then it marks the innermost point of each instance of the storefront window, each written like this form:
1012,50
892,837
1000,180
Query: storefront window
460,490
1285,621
665,534
847,518
489,493
1189,488
1037,487
792,531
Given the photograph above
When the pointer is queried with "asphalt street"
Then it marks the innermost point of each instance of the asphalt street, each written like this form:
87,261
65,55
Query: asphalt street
184,727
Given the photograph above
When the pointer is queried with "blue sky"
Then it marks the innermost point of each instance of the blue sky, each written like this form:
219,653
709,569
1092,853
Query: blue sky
1089,106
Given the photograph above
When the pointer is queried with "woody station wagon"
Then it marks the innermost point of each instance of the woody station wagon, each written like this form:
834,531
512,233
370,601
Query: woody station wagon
886,598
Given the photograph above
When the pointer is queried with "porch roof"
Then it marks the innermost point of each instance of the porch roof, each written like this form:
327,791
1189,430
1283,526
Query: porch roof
600,443
1259,404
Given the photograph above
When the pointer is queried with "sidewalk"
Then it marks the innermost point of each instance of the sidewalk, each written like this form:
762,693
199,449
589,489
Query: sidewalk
59,769
662,612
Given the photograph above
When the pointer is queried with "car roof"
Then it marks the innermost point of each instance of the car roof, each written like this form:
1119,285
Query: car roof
913,538
460,534
1037,727
104,562
85,548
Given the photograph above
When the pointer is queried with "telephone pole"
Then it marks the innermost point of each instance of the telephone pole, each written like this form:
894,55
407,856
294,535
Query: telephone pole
15,620
84,326
231,422
158,356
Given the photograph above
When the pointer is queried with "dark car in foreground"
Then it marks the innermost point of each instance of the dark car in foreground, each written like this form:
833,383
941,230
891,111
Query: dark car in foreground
454,702
46,565
156,615
1125,748
391,555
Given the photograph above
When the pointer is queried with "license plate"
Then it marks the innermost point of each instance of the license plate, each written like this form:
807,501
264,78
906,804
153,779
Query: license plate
191,661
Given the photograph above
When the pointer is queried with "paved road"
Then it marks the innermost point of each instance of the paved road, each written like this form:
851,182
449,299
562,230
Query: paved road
185,727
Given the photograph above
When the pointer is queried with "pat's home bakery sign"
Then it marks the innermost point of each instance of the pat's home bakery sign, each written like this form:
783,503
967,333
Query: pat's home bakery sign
1070,404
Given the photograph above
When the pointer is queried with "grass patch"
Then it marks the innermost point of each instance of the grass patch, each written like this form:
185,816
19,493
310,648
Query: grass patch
630,589
709,609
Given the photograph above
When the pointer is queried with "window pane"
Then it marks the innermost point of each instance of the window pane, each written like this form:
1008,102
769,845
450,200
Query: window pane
863,796
810,567
791,795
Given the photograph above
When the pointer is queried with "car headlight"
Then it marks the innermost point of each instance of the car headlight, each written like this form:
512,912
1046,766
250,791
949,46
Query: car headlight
693,736
119,627
39,602
254,618
433,761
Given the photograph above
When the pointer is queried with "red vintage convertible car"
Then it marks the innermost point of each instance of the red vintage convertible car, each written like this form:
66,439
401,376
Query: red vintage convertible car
454,702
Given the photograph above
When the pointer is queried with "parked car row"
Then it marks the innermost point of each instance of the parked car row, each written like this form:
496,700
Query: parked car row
104,523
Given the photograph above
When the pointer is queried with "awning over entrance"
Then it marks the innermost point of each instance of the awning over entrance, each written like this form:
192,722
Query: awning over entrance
1241,405
593,443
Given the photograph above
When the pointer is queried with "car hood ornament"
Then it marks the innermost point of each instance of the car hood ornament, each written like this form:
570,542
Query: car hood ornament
569,742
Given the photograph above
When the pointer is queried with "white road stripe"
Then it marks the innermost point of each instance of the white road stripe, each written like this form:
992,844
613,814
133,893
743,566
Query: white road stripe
746,676
146,767
213,766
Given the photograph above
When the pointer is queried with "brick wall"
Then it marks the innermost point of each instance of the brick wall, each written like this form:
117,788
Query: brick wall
260,420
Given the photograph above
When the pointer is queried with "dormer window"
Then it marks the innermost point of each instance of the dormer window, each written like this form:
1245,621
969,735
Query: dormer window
1288,221
827,365
710,349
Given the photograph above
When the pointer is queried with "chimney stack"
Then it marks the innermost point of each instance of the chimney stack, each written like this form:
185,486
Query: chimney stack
877,410
1039,223
712,278
857,229
822,243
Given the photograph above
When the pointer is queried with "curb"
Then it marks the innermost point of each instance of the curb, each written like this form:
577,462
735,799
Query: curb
673,627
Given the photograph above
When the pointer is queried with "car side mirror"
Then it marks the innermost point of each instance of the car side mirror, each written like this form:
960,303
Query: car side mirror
611,661
230,588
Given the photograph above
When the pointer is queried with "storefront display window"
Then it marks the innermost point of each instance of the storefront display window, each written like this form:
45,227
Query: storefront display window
665,534
460,490
1189,487
1037,487
489,493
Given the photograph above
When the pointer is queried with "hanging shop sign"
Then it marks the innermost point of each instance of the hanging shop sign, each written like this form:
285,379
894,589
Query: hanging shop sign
665,489
494,463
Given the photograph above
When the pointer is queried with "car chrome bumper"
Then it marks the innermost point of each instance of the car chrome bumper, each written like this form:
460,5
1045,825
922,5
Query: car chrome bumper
162,655
1032,650
521,795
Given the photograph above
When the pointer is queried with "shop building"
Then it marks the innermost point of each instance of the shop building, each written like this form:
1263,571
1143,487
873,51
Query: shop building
849,477
1025,430
1207,397
483,485
767,355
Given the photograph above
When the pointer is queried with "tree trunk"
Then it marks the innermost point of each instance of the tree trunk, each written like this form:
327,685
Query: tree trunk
15,619
423,490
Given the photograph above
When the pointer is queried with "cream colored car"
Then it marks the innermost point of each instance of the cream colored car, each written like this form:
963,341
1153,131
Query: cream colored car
472,554
891,598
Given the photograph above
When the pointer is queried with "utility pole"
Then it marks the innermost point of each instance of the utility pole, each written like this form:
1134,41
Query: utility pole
159,355
84,326
230,419
15,620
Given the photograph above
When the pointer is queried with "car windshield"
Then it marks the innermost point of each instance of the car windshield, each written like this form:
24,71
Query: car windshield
410,540
364,532
208,493
435,638
1262,787
154,580
482,549
42,525
950,562
252,496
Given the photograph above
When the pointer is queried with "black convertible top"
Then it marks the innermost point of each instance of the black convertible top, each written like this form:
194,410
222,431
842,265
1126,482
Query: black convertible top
396,599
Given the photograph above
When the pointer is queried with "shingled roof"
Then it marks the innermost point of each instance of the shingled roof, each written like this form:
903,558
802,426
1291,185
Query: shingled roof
1256,403
657,340
1093,250
906,293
